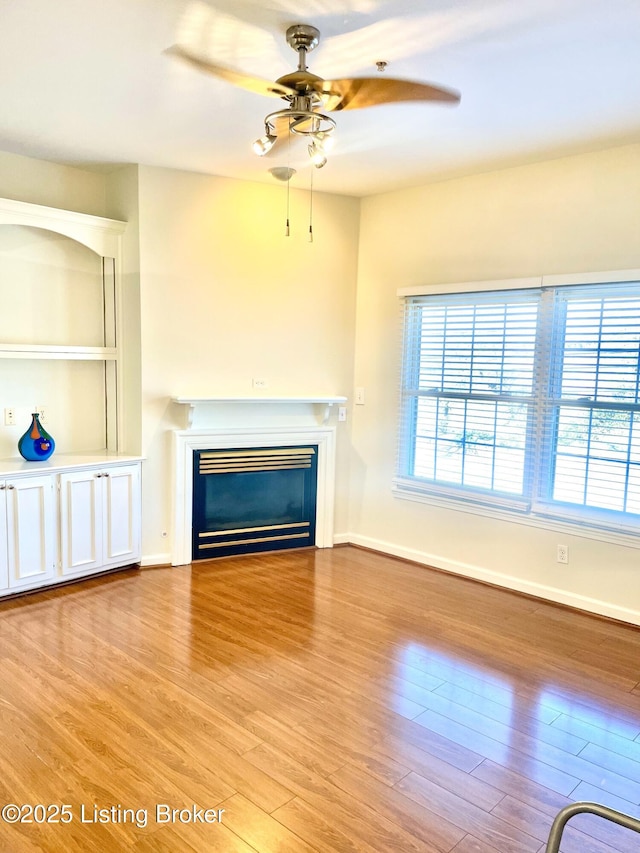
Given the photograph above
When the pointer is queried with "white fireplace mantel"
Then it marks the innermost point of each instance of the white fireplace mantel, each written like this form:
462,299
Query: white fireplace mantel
250,405
231,422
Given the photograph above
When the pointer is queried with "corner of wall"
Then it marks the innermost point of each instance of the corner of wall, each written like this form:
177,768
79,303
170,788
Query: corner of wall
52,184
122,202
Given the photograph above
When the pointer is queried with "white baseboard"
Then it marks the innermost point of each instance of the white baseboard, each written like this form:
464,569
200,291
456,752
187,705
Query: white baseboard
560,596
155,560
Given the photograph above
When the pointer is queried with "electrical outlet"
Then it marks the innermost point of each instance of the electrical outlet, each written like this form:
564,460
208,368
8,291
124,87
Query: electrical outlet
42,413
9,416
563,554
260,383
342,413
359,396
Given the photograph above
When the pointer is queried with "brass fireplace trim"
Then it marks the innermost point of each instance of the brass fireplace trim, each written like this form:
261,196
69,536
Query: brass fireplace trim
237,461
254,540
261,529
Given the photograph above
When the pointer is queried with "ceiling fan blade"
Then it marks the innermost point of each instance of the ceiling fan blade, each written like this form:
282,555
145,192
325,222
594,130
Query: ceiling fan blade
245,81
359,92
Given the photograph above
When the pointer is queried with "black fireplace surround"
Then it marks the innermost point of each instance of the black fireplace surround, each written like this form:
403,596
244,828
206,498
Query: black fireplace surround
248,500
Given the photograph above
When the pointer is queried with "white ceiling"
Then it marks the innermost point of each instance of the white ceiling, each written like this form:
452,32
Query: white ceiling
86,82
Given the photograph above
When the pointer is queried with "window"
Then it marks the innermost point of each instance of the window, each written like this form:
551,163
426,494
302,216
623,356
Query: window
525,399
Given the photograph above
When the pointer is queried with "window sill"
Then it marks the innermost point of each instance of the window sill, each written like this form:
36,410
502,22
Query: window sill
517,514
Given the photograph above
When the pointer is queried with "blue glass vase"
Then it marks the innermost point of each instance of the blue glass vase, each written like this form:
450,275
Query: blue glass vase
36,444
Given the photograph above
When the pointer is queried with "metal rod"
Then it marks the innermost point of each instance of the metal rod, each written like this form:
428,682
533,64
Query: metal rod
565,814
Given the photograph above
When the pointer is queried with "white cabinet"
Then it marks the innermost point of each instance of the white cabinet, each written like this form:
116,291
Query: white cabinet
99,518
75,517
80,521
28,541
121,515
4,558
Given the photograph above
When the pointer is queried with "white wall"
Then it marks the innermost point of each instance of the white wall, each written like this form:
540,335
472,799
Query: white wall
122,204
226,297
42,182
567,215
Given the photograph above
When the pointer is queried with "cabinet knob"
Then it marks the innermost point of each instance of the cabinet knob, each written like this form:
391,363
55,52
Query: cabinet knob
106,474
98,475
10,487
2,488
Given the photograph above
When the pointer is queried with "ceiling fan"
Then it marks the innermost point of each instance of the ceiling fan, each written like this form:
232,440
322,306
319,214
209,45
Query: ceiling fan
310,97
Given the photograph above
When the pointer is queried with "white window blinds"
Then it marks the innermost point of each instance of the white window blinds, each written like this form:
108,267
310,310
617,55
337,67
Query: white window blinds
592,449
526,399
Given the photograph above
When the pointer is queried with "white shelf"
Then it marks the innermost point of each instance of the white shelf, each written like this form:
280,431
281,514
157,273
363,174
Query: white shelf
60,352
60,462
192,402
98,233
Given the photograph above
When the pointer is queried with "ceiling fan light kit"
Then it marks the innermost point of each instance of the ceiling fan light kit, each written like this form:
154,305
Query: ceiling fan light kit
317,154
265,143
311,97
303,116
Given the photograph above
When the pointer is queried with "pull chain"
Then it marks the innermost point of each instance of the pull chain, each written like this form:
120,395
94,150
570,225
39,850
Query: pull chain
286,229
311,209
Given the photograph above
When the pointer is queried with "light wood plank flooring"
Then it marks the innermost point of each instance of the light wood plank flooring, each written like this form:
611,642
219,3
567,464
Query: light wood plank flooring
331,700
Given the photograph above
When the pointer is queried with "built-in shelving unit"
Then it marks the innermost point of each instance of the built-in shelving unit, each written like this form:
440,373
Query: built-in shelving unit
59,286
78,512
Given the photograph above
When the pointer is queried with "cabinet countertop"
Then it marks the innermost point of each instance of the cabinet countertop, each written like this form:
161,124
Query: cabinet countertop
60,462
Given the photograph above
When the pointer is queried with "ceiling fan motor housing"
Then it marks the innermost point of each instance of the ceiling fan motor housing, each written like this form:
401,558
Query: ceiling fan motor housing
303,35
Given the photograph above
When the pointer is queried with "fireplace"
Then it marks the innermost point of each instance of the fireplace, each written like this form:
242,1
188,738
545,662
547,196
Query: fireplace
248,500
239,424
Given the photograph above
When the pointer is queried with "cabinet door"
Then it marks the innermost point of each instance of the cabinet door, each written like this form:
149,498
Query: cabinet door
81,521
31,530
121,513
4,565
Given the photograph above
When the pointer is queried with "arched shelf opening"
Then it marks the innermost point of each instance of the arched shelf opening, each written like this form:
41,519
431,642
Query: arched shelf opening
60,344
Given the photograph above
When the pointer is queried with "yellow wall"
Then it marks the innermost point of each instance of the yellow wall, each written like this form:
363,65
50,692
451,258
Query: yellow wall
573,214
42,182
226,297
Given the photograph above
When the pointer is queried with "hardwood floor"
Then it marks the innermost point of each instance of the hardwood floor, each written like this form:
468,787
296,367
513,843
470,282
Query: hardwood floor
331,700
